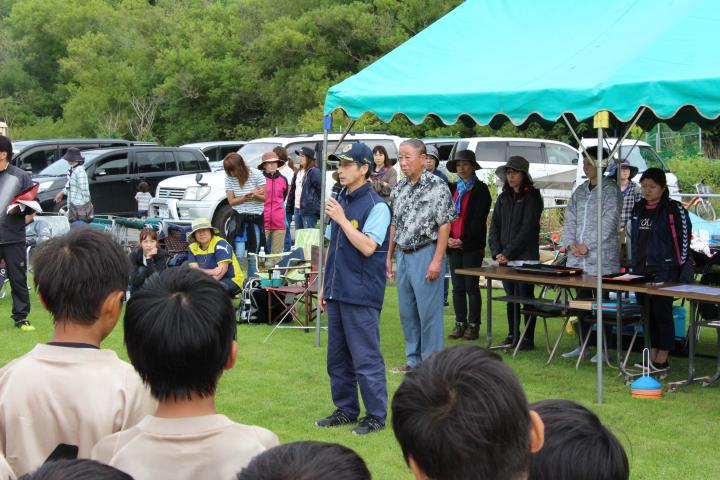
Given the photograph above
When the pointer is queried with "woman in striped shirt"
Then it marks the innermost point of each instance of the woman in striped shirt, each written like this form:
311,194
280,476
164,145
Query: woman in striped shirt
245,190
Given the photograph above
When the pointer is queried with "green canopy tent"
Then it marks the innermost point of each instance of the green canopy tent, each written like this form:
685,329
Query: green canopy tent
493,61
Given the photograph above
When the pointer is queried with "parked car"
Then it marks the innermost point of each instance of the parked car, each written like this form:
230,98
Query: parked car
182,199
216,151
114,175
34,155
640,154
553,164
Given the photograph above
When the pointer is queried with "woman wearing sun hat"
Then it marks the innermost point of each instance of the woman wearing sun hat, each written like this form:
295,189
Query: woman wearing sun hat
276,189
212,254
514,237
77,189
466,245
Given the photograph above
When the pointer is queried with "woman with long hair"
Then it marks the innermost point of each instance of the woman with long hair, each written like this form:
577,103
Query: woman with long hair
514,238
384,177
308,212
245,191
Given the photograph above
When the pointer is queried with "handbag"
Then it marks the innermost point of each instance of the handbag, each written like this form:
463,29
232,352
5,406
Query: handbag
84,212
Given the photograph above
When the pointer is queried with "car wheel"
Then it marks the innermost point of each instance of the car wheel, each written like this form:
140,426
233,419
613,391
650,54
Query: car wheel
221,219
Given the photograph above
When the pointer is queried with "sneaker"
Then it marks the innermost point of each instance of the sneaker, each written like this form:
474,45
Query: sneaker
24,326
367,425
472,332
457,332
337,419
401,369
594,359
576,353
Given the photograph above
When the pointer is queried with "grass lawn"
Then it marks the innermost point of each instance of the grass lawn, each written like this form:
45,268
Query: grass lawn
282,385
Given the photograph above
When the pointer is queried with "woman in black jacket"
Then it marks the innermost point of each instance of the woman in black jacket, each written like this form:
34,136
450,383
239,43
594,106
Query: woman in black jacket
147,259
466,245
660,231
514,237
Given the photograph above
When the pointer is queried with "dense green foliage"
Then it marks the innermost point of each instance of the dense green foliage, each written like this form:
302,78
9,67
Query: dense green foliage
186,70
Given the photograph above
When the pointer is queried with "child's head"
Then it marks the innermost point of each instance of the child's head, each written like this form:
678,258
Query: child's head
80,469
180,333
576,445
463,414
270,163
81,277
143,187
306,461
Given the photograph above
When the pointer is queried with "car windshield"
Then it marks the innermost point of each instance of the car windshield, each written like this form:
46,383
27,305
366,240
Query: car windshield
643,157
251,152
59,168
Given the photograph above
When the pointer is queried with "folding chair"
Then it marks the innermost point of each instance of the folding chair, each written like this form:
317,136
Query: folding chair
631,318
557,308
303,293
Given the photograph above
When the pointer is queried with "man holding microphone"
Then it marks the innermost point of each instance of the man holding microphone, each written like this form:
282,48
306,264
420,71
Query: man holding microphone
353,294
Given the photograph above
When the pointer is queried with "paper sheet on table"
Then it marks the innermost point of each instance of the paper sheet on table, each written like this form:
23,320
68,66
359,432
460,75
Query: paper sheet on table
701,289
627,276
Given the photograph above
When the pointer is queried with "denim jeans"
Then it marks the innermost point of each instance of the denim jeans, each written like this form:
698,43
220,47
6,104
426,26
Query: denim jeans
420,304
310,221
240,250
288,236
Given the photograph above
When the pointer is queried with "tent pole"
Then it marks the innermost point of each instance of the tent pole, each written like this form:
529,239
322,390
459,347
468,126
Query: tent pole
598,293
327,125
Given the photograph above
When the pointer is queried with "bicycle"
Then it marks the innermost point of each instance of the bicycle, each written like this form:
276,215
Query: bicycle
701,206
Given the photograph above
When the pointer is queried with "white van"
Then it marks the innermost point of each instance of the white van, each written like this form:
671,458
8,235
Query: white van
185,198
640,154
215,151
553,164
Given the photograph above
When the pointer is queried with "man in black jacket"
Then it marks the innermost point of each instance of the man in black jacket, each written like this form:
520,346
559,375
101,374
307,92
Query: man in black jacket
14,181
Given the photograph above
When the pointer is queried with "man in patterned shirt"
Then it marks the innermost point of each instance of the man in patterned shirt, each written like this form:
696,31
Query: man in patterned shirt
419,231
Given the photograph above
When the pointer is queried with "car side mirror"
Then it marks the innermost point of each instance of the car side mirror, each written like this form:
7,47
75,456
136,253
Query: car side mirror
99,173
198,179
27,167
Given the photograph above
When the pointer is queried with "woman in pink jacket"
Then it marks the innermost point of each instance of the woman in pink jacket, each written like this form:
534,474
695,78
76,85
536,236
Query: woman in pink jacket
276,189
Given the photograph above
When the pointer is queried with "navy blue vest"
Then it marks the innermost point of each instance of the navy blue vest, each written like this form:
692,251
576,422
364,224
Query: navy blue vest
350,276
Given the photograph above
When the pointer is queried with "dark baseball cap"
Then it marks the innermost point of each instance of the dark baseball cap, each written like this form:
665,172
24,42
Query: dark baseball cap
307,151
354,152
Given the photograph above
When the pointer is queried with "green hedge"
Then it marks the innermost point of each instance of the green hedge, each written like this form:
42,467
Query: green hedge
691,169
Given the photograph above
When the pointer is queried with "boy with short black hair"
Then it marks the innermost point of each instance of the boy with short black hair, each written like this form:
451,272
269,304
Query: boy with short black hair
76,470
463,414
577,445
307,461
69,390
180,337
